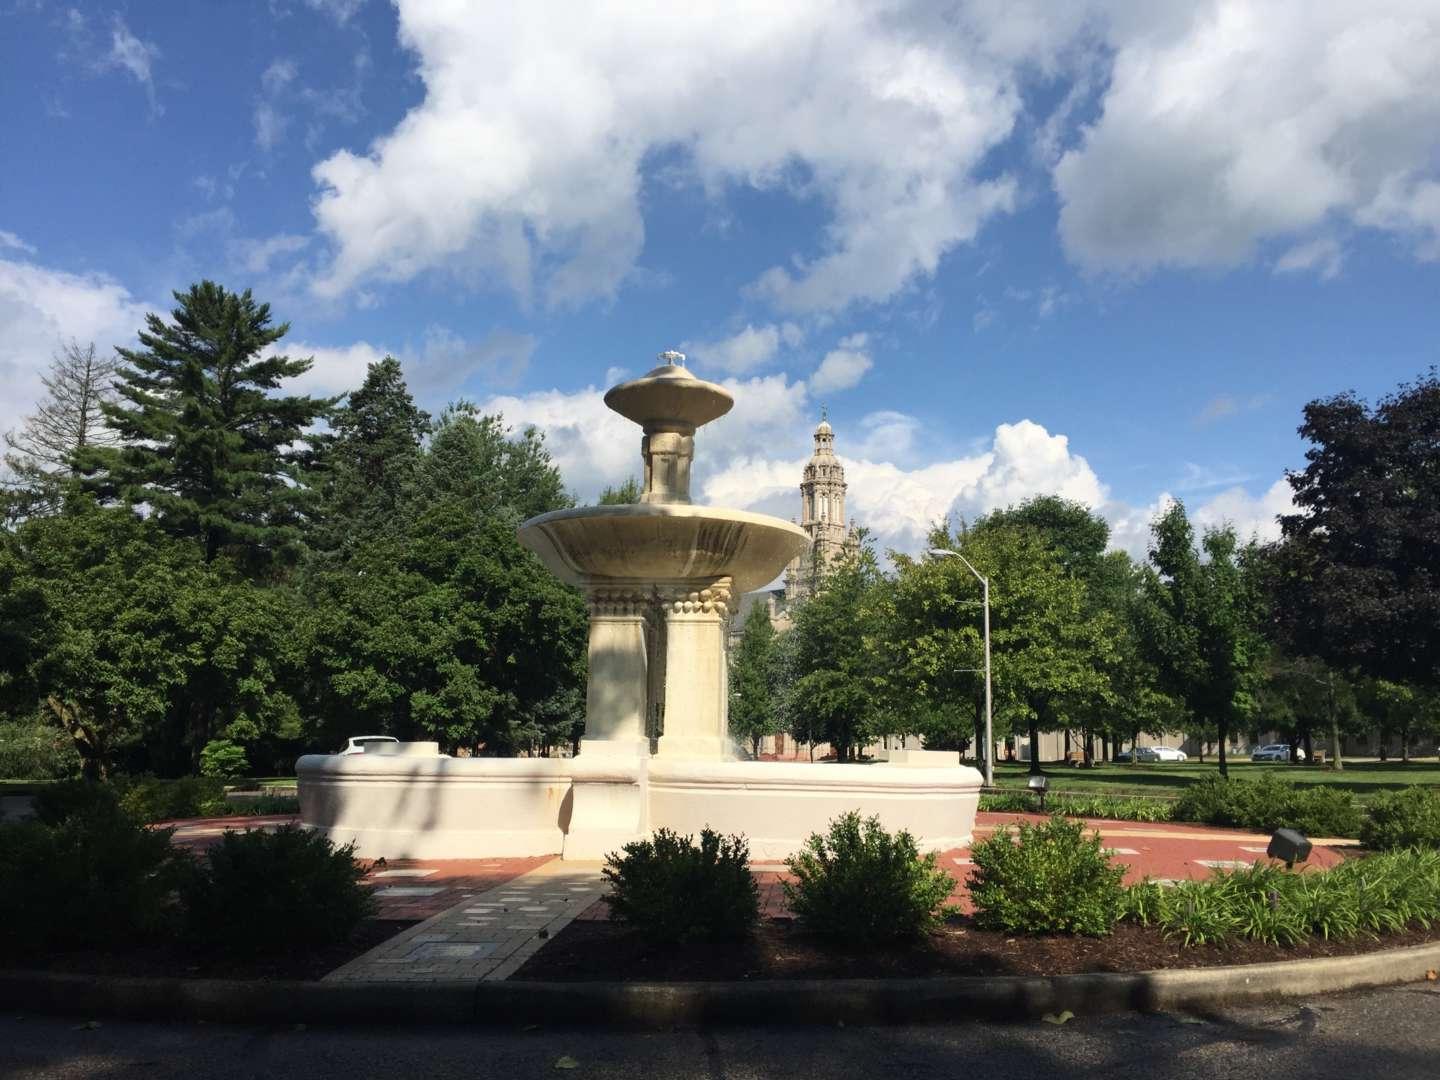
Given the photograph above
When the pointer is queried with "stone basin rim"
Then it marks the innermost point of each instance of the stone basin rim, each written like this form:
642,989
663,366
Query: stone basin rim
678,510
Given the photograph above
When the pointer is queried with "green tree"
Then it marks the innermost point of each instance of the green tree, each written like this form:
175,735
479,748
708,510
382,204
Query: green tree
1398,709
371,460
210,447
627,493
753,690
1360,584
1206,617
139,651
444,627
67,421
835,674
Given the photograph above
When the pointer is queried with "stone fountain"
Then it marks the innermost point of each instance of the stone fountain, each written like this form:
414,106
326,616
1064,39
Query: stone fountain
659,578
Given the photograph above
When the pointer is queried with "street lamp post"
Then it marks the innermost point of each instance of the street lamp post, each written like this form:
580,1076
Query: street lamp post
946,553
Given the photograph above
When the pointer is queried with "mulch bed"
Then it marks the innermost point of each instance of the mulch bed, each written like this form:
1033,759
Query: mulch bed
165,959
607,951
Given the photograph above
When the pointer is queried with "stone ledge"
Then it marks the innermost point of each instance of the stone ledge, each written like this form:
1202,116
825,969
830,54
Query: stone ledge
640,1006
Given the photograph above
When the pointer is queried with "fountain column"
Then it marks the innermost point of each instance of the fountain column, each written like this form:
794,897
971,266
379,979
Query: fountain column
695,706
616,697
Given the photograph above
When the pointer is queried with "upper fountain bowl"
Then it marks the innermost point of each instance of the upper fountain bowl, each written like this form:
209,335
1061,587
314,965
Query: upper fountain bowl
669,398
597,545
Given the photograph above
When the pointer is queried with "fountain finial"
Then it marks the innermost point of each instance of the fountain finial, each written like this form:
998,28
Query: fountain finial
672,357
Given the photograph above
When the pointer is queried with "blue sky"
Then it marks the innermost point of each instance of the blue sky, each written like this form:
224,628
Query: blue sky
1107,250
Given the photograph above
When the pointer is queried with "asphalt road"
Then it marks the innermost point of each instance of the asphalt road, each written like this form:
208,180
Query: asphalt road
1392,1034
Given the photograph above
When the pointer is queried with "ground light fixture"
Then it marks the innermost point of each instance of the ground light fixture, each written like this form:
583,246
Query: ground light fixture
1289,845
1039,785
946,553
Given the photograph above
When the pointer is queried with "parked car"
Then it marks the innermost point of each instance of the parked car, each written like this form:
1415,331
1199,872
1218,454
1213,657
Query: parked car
1122,757
356,743
1160,753
1278,751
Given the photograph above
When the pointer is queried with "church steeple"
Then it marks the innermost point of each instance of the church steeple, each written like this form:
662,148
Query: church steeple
822,513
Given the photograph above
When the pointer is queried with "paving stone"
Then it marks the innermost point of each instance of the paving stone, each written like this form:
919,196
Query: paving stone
409,890
414,873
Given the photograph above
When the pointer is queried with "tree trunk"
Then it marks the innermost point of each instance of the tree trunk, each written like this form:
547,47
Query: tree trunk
1105,748
1224,738
1067,744
1135,747
1089,748
1309,744
1035,769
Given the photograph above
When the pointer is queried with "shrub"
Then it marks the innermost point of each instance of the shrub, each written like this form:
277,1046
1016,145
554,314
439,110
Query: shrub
1270,803
675,890
150,799
34,750
1402,819
93,877
860,884
224,759
1112,807
1380,894
270,891
1052,878
58,803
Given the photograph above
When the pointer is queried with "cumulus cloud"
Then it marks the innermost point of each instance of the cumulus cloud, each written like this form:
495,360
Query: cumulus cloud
436,368
39,309
844,366
751,348
524,162
1229,123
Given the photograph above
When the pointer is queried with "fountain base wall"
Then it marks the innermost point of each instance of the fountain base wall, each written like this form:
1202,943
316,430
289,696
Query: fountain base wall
402,806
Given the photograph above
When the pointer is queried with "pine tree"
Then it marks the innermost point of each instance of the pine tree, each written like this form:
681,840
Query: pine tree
214,453
372,457
65,423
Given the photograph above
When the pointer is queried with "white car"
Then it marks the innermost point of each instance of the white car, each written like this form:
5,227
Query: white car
1278,751
1159,753
357,743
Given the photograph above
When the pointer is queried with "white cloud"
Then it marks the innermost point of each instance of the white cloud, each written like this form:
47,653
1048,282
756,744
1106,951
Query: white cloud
843,367
1229,123
1322,256
751,348
136,57
436,368
282,94
523,164
39,309
342,11
1252,516
14,243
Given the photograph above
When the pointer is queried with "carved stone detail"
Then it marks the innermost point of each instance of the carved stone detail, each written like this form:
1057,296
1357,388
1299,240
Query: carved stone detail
714,599
617,603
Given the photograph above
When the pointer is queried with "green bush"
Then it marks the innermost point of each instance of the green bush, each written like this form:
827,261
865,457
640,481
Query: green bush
58,803
1376,895
34,750
1111,807
224,759
1402,819
92,877
271,891
1051,878
149,799
1270,803
676,890
860,884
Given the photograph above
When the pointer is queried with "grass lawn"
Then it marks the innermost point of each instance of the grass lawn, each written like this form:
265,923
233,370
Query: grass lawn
1363,777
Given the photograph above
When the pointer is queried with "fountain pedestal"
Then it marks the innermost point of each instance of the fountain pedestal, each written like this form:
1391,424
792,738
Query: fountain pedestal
696,672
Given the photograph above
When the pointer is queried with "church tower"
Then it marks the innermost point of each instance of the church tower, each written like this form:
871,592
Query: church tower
822,515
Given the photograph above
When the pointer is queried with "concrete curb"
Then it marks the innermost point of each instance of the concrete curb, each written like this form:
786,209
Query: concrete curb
640,1006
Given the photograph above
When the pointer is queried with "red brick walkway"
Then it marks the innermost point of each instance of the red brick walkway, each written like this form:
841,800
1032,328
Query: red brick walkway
418,889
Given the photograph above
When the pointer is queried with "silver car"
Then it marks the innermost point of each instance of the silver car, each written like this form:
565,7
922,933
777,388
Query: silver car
1278,751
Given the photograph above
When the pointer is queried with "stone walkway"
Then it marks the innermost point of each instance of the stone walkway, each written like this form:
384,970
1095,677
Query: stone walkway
486,936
